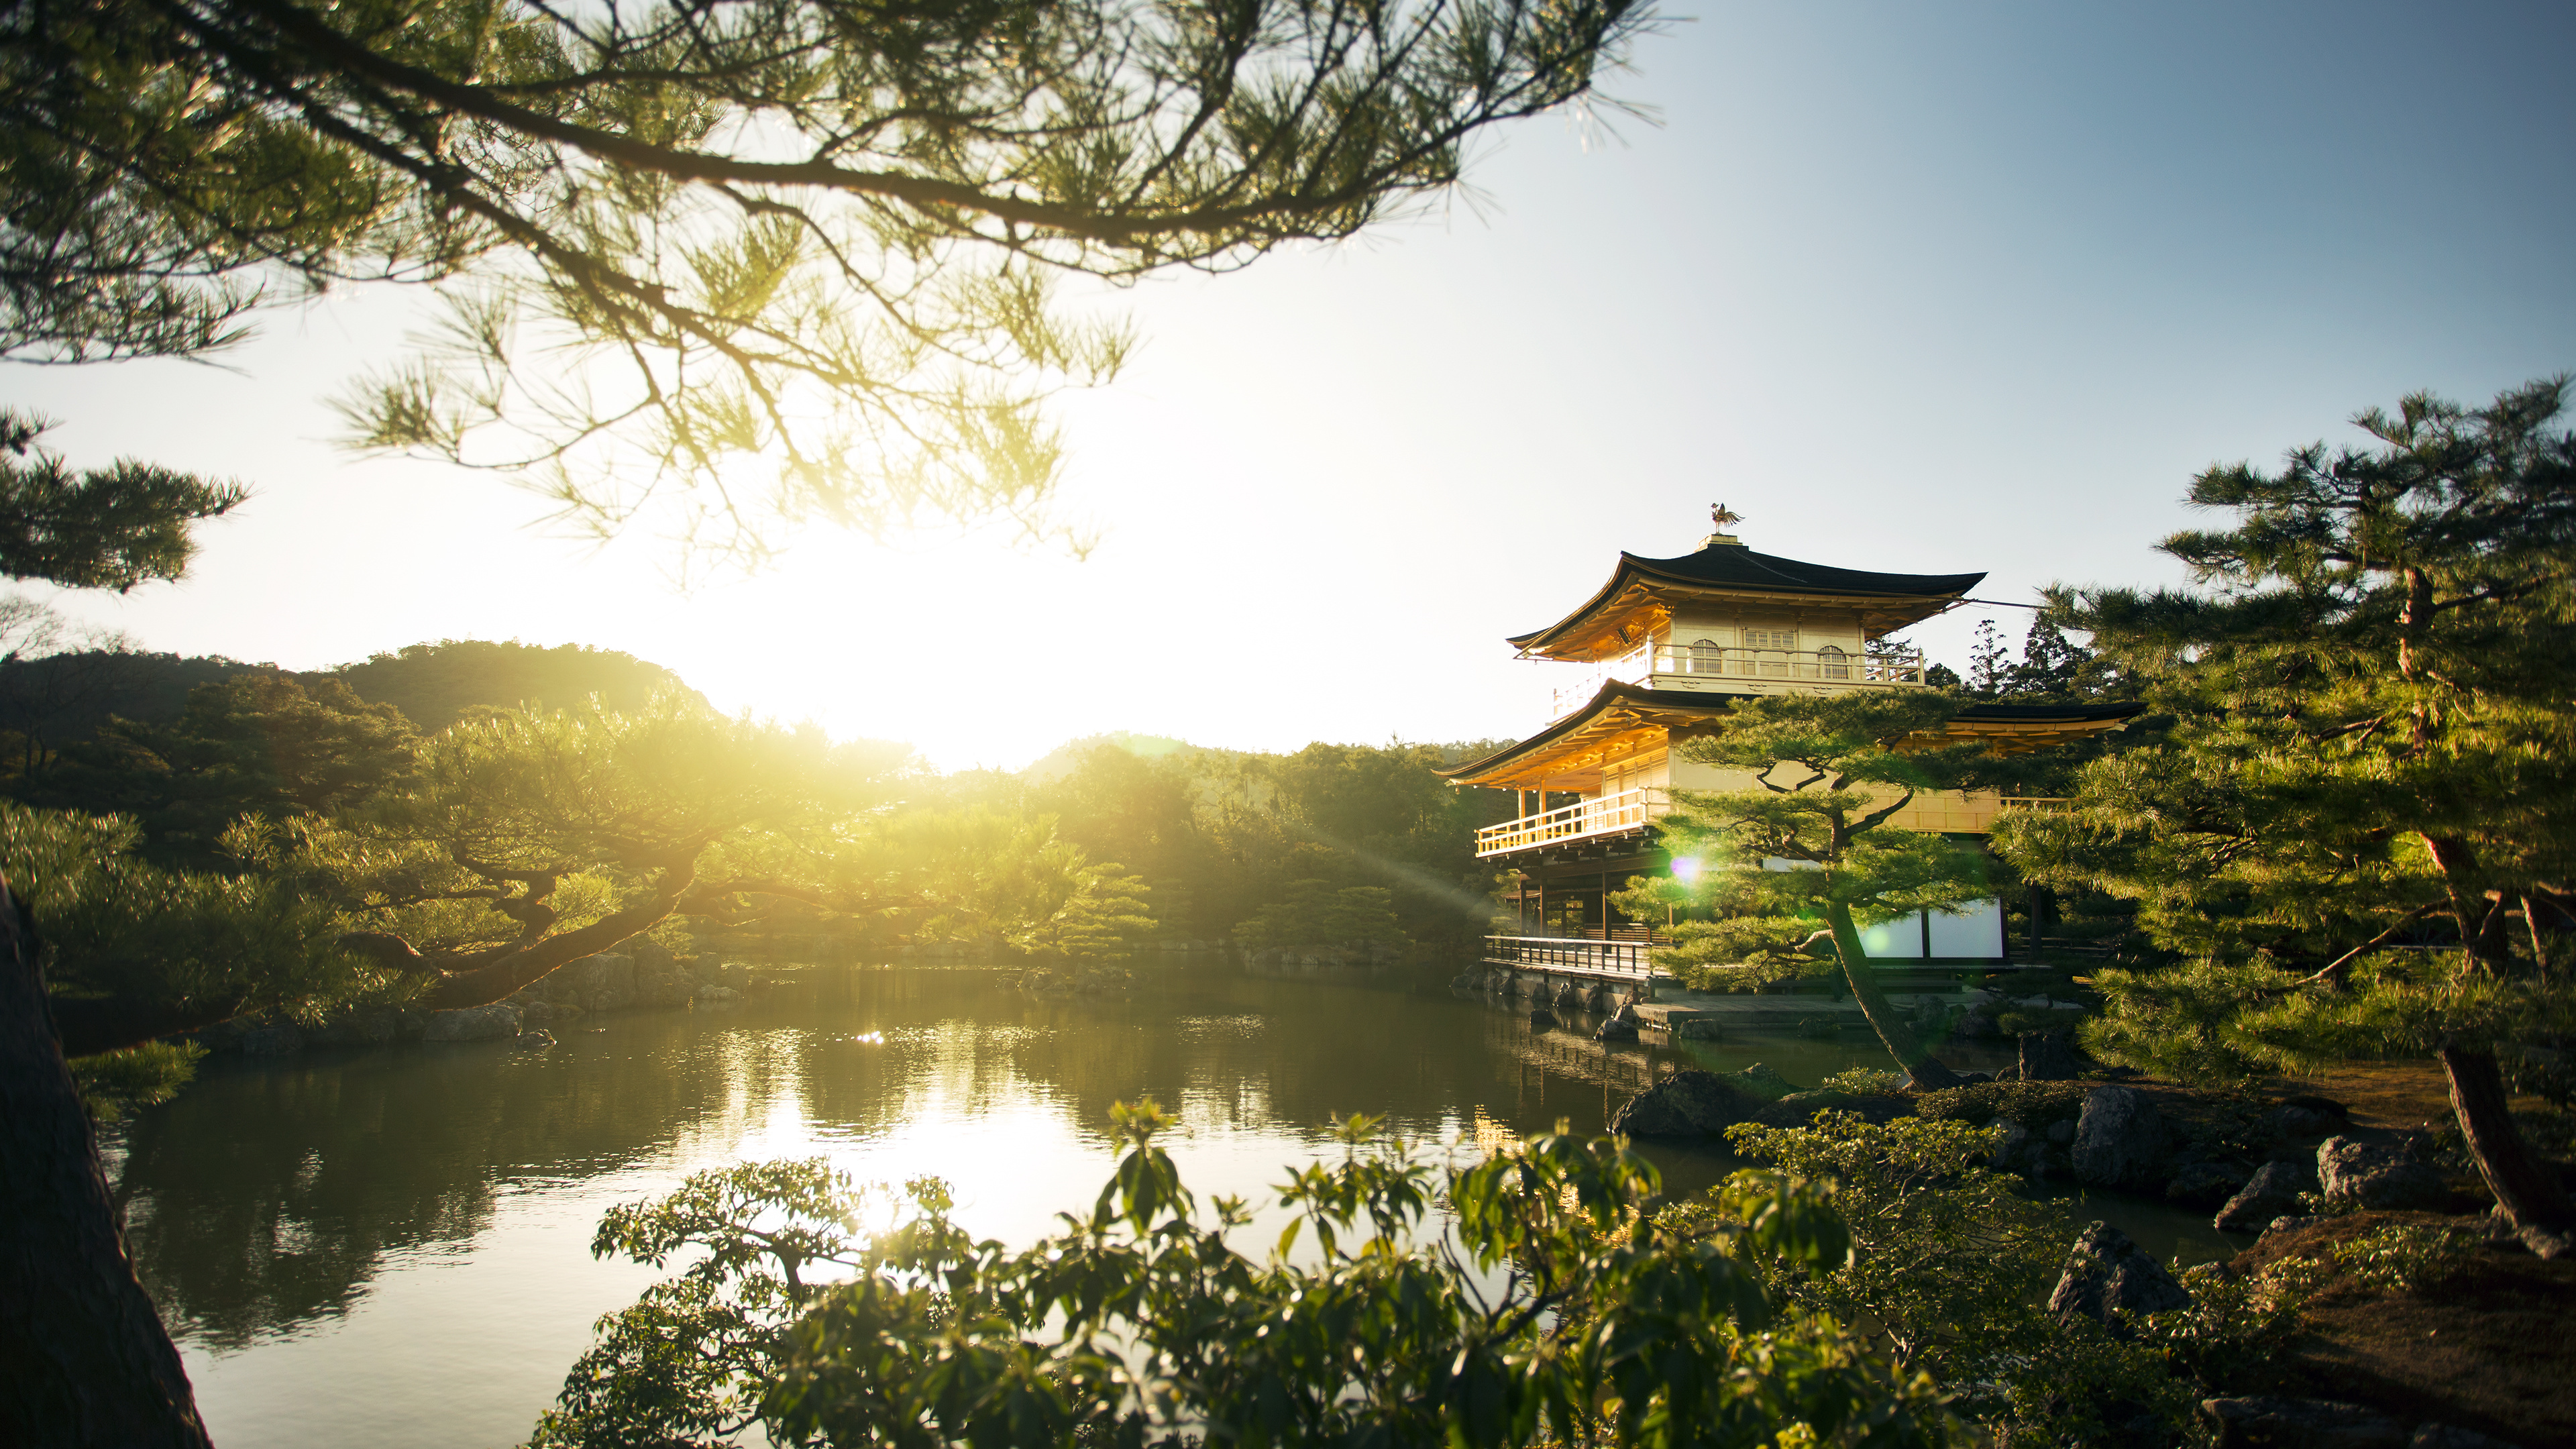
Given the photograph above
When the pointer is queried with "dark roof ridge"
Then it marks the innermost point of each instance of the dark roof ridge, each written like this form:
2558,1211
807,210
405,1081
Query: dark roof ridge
1725,563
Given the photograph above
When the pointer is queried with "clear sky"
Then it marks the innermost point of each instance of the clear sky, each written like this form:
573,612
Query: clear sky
1912,287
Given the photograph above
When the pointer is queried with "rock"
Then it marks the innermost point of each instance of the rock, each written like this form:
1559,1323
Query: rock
270,1039
2546,1242
2061,1133
1685,1104
534,1040
1616,1030
473,1023
1761,1081
364,1026
2355,1174
2272,1191
2047,1056
2120,1140
2013,1143
2290,1224
1542,1019
1570,996
2107,1276
2206,1184
718,996
2301,1424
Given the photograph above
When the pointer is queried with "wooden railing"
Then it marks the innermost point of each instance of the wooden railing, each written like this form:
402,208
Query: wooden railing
1692,666
1616,960
1608,815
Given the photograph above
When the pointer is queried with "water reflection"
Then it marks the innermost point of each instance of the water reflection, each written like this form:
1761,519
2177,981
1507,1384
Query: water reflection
391,1247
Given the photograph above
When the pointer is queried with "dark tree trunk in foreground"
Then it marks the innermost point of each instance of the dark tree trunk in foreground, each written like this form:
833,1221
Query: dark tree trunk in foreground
84,1360
2528,1191
1893,1031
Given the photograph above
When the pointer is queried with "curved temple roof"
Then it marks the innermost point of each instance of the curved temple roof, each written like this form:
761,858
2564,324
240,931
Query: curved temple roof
1731,568
1620,708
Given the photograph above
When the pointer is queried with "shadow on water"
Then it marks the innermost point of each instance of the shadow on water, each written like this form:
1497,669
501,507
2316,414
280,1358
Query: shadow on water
272,1201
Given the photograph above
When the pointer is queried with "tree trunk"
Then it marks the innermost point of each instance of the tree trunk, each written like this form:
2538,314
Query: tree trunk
2529,1193
84,1360
1899,1039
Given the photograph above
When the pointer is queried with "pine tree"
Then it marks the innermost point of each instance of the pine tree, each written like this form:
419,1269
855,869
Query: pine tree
1825,775
2373,745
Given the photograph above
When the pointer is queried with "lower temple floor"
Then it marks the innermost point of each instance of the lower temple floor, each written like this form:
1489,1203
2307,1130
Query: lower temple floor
1568,893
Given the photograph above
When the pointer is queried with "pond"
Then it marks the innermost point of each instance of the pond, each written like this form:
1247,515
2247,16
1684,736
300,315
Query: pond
391,1247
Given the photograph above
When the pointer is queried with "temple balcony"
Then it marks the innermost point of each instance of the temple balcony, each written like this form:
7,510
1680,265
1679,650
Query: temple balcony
1617,814
1629,811
1728,669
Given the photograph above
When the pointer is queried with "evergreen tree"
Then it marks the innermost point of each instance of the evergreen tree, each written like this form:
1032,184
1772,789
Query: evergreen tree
1825,774
2373,743
1989,662
782,262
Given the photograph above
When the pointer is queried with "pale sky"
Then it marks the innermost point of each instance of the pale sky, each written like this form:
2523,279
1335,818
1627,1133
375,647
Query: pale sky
1926,288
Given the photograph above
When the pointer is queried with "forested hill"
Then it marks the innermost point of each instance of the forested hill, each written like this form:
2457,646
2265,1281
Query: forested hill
434,684
61,699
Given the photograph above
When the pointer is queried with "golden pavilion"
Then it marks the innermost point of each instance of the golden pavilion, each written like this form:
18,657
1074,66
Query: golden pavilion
1660,652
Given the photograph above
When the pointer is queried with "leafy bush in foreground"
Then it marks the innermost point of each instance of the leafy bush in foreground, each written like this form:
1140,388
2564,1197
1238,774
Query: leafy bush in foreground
1556,1309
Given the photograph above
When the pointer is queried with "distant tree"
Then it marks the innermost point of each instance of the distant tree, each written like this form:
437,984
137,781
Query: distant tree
265,744
2372,738
1989,662
1827,774
780,263
1006,878
1312,913
435,685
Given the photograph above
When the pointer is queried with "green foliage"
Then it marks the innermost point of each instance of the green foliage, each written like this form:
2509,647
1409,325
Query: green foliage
1732,953
2033,1104
1862,1082
114,1083
1824,774
2371,723
1315,914
1952,1266
97,528
2239,1330
1560,1314
435,685
117,928
864,334
1220,836
1946,1254
257,744
2407,1257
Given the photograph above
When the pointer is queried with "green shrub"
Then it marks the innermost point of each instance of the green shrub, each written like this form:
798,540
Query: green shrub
2032,1104
1545,1309
1863,1082
114,1083
2235,1335
2407,1257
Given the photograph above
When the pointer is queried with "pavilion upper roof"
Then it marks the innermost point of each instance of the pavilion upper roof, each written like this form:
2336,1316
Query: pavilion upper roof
1729,572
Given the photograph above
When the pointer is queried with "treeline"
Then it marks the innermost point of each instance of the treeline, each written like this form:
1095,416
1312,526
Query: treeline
1325,847
1333,847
